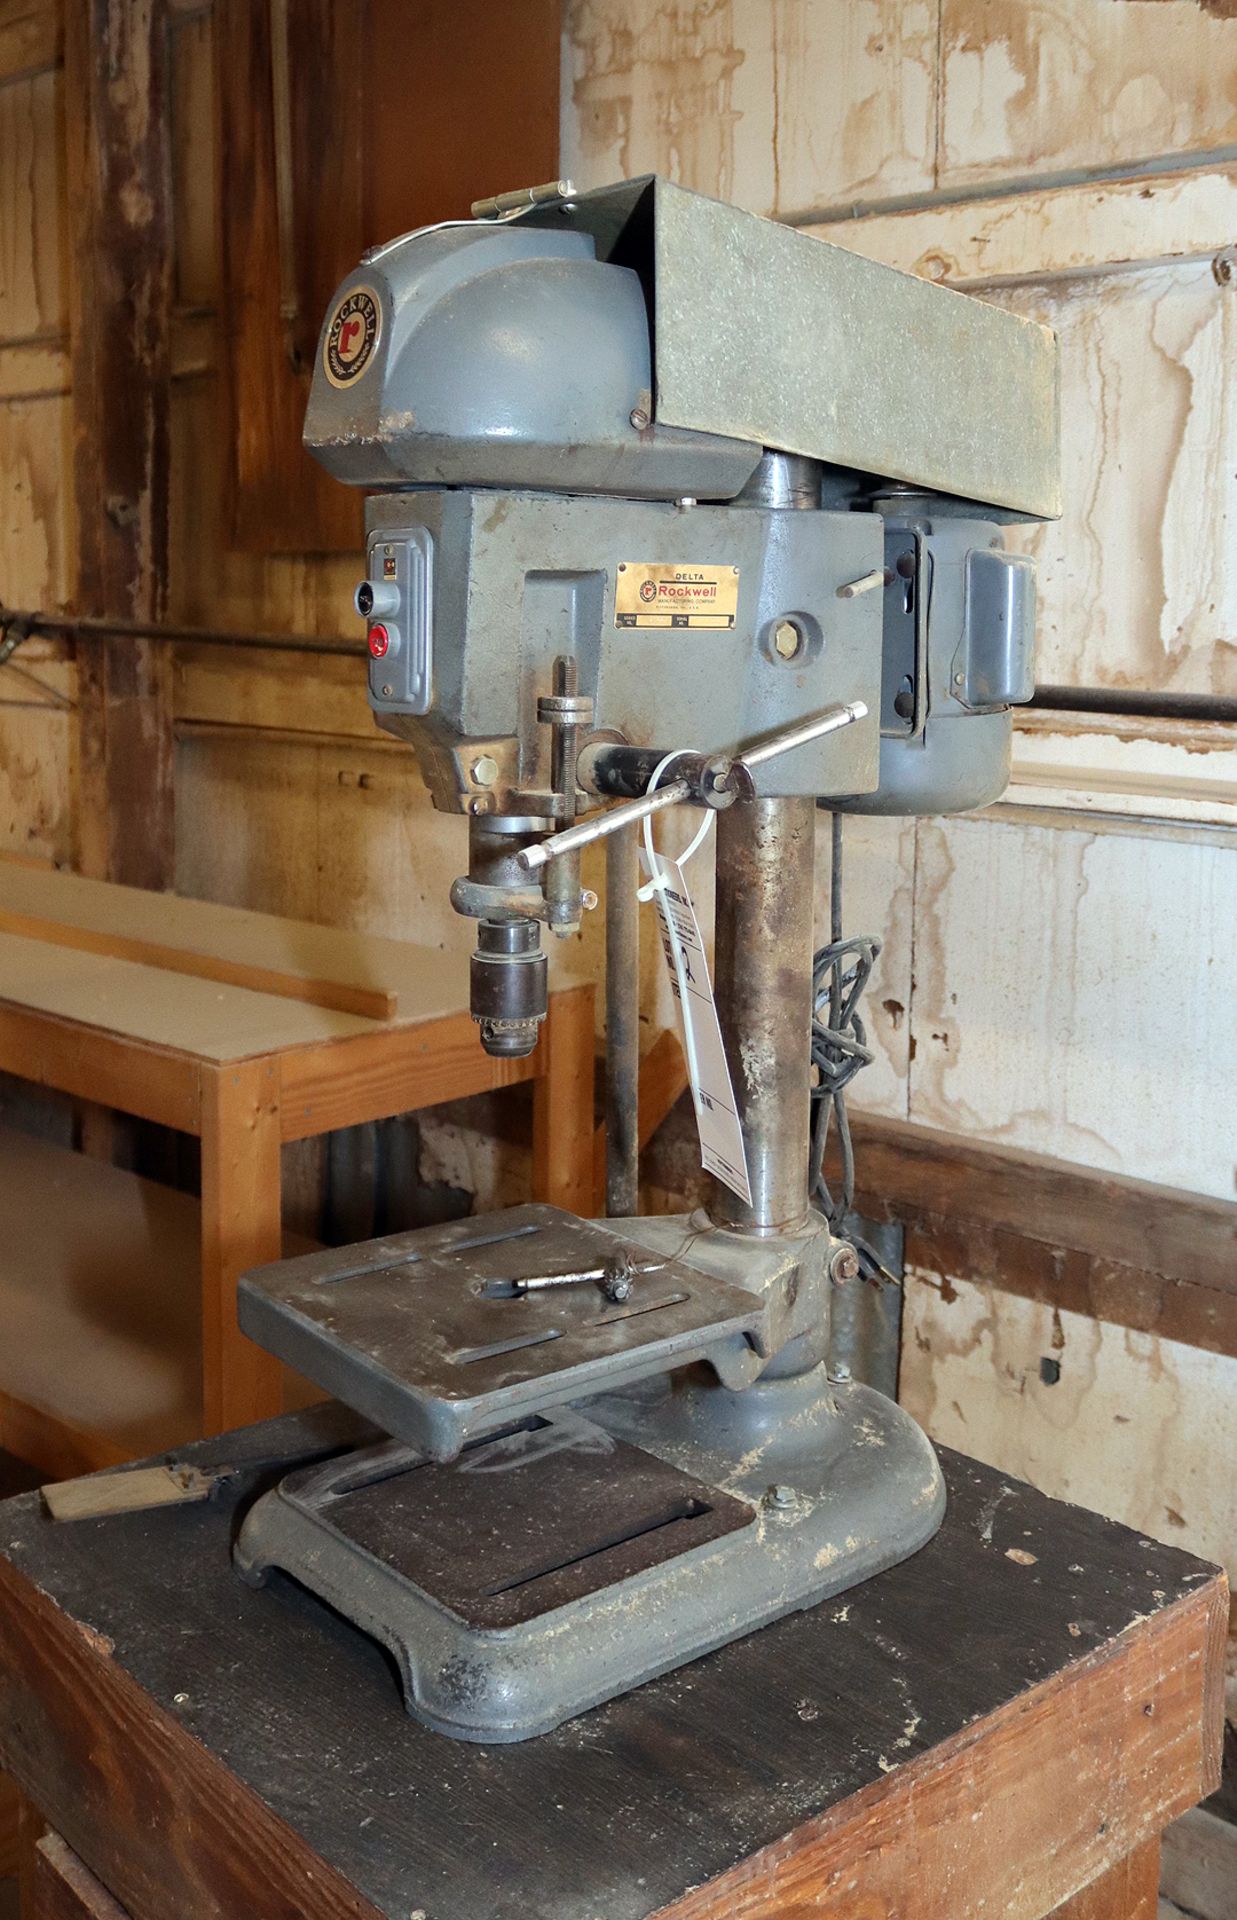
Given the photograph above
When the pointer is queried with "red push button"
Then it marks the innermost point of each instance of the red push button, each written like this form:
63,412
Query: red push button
379,640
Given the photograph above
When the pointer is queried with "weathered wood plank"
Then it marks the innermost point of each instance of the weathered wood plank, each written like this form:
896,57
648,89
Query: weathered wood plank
1038,88
912,1173
308,235
31,37
241,1228
1139,1425
1127,1891
1200,1864
33,300
1073,996
777,107
62,1889
119,198
1137,586
1041,233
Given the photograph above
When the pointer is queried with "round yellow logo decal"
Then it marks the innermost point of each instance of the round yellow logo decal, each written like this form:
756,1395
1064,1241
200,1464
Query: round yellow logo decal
352,336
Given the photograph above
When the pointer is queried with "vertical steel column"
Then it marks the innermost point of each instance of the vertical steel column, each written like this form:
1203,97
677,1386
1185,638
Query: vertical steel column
622,1022
763,970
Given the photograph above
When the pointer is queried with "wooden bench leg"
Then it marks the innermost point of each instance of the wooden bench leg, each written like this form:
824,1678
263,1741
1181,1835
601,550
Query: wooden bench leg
59,1887
563,1104
1128,1891
240,1229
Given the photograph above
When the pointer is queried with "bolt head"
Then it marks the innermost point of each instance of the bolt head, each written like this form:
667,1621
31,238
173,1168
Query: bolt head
780,1496
787,640
844,1265
485,770
840,1374
639,419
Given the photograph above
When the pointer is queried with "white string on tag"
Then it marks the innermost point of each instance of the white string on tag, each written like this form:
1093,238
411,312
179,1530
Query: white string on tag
651,856
722,1149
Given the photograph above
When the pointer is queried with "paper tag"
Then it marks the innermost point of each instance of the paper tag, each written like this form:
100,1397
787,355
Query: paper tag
721,1133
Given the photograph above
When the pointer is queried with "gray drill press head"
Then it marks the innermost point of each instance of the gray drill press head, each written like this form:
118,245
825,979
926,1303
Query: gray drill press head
589,434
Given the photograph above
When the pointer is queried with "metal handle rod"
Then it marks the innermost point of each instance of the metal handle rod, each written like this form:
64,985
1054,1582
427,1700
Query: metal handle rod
828,722
599,825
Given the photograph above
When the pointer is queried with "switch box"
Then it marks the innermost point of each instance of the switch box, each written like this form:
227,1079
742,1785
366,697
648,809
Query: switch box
397,600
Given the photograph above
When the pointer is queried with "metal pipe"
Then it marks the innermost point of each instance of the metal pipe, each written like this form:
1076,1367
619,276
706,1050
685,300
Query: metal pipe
622,1023
783,481
72,625
763,976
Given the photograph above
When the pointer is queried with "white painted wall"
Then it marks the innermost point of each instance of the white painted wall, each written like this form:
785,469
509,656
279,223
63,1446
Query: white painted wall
1061,973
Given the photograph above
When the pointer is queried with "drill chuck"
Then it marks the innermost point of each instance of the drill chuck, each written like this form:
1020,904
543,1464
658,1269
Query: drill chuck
508,986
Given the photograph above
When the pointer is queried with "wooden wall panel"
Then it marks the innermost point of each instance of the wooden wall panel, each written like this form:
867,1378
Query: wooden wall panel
776,104
31,36
38,739
214,585
484,84
1041,86
35,503
1140,1428
1038,232
320,830
1138,579
32,292
1074,995
194,179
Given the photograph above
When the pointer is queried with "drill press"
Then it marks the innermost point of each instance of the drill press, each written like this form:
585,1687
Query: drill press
668,505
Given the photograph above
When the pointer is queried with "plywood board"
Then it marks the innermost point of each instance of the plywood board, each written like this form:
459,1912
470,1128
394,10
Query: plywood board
194,179
1133,1426
170,1010
1042,231
1041,86
99,1304
353,972
1074,995
212,584
1138,579
32,294
35,461
1101,765
38,741
779,107
341,834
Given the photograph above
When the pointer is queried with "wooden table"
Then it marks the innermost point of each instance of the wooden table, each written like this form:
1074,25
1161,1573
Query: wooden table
248,1031
1003,1726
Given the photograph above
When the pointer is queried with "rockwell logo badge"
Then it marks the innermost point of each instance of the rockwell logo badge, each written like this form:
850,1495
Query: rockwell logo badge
351,337
655,594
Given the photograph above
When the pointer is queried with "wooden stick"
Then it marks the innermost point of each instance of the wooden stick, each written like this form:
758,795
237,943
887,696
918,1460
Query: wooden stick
341,996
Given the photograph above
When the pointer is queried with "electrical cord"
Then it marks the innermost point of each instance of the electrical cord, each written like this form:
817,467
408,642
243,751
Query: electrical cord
840,972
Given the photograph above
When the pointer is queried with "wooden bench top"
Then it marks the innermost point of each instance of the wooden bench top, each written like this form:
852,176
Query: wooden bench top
984,1730
216,981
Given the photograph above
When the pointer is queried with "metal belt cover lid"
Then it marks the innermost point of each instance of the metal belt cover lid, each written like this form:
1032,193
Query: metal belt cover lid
765,333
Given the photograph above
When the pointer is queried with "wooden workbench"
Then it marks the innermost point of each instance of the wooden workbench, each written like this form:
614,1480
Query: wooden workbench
248,1031
1001,1726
